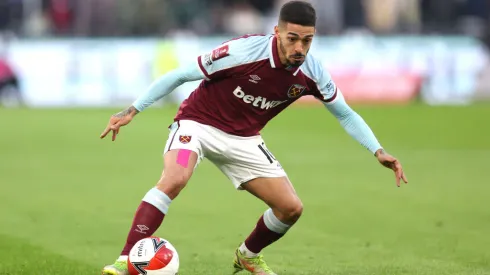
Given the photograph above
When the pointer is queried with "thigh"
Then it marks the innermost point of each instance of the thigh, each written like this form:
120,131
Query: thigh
181,157
248,159
184,138
175,175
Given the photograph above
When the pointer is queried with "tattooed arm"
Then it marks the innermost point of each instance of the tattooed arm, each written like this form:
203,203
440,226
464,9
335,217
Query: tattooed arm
166,84
117,120
158,89
131,110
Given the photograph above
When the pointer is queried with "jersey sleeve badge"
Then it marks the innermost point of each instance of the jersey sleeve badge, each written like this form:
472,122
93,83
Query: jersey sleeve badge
220,52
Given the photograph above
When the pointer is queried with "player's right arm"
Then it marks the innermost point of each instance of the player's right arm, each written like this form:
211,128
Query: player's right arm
166,84
213,65
158,89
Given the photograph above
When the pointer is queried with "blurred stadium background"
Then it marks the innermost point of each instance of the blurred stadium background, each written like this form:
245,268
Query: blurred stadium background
416,70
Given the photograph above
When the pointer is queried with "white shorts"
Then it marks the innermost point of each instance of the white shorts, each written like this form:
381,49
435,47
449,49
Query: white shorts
241,159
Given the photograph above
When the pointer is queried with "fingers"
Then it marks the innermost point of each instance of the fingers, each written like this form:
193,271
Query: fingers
115,131
404,177
400,175
397,168
105,132
393,164
114,127
397,176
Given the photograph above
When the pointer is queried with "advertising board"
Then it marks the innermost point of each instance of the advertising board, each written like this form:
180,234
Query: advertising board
113,72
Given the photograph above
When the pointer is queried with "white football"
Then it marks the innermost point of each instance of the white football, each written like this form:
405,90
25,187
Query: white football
153,256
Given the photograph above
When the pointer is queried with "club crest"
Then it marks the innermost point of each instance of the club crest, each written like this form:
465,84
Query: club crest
296,90
185,139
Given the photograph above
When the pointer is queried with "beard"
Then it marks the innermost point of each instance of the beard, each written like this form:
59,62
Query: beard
290,61
295,63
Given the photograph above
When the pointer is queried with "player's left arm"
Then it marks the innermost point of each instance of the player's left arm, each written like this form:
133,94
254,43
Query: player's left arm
356,127
331,96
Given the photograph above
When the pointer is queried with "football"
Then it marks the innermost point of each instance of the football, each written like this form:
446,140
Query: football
153,256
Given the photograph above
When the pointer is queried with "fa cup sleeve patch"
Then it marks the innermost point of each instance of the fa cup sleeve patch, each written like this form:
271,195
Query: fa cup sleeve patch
220,52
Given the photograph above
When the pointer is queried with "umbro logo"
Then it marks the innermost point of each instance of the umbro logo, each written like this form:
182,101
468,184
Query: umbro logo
254,78
141,228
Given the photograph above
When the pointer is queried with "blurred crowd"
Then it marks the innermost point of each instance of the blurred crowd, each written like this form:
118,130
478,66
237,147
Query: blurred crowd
41,18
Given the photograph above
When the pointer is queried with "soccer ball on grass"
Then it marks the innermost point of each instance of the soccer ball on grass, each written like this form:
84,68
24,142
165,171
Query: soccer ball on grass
153,256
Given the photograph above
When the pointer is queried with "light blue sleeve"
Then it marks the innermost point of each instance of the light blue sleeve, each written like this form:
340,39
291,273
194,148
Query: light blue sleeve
331,96
221,61
353,123
326,87
166,84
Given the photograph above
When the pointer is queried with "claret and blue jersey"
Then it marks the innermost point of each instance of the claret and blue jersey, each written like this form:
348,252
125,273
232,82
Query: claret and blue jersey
246,85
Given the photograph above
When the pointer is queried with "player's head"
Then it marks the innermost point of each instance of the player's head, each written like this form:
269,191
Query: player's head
295,31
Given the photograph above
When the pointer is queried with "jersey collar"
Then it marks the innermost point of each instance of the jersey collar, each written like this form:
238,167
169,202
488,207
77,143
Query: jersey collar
274,57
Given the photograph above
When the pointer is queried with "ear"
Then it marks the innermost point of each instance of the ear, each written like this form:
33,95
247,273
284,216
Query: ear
276,31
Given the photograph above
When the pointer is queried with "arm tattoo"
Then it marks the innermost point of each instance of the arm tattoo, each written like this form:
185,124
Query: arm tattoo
126,112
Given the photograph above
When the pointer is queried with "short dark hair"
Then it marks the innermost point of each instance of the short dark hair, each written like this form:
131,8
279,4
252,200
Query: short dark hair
298,12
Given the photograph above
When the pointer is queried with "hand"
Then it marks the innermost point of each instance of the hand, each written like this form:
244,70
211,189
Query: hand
392,163
120,119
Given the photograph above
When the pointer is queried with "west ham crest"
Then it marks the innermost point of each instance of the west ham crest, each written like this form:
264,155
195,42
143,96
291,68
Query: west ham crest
185,139
296,90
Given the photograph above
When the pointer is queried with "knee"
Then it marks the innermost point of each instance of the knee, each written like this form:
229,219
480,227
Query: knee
292,212
172,184
296,210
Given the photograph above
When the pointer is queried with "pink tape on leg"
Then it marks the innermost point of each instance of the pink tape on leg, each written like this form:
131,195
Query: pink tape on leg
183,157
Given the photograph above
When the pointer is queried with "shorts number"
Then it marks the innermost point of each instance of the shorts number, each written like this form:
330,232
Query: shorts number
267,153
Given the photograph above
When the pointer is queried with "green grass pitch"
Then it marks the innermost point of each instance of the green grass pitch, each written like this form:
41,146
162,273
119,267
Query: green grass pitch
67,198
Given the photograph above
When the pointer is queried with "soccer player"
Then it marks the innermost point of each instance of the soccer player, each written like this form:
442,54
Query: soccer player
245,83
